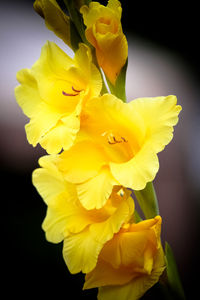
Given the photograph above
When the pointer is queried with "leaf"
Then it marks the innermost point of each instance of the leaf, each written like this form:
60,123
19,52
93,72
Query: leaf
172,273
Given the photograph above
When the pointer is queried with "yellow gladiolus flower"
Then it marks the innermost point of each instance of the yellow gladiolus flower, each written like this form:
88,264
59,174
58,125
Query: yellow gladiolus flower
84,231
118,143
104,32
52,94
130,263
55,19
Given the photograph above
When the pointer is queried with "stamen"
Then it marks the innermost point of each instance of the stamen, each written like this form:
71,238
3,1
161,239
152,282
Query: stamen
115,141
109,142
124,140
68,94
77,91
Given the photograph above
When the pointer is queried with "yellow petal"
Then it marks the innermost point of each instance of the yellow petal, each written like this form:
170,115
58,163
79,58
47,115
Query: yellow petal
62,135
94,192
80,252
56,193
43,120
104,231
136,287
55,225
88,71
50,183
61,197
114,117
160,114
82,249
65,216
128,264
58,75
125,249
135,173
55,19
95,11
76,216
43,117
82,161
58,61
104,275
146,224
88,17
50,71
48,180
27,94
131,134
115,5
52,94
112,48
133,290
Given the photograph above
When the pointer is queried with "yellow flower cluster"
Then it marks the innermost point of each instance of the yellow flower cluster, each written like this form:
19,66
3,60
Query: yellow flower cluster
99,149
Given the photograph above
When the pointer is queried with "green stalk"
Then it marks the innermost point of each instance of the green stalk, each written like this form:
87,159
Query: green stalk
148,201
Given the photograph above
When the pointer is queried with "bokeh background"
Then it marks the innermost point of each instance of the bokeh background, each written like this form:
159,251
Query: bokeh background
163,59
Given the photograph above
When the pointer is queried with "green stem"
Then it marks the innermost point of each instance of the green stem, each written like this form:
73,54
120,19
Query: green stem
148,201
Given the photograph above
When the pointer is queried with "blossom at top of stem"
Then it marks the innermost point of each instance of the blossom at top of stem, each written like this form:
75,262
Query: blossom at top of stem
118,143
104,32
52,94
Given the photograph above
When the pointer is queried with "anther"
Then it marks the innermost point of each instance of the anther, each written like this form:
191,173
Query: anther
111,143
69,94
77,91
124,140
115,141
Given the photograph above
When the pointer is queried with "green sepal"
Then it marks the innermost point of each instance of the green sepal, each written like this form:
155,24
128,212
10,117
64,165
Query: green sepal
148,201
119,88
74,37
174,281
87,2
77,19
80,3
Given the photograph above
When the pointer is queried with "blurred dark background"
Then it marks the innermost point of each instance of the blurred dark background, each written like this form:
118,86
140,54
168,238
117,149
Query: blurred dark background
163,59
